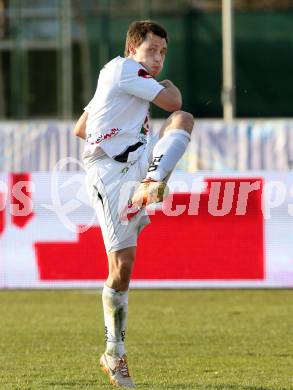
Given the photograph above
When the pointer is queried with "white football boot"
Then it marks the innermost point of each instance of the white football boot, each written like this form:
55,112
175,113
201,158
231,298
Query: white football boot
117,369
149,191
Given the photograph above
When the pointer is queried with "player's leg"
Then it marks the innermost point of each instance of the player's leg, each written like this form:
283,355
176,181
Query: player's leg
105,179
115,299
174,139
178,120
120,268
115,305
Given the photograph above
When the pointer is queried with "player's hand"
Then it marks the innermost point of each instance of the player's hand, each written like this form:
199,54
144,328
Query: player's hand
169,98
166,83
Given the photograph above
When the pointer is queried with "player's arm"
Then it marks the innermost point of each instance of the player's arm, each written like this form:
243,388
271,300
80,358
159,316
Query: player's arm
79,128
169,98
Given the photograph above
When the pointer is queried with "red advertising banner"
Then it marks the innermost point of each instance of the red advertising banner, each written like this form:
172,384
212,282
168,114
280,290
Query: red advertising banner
220,236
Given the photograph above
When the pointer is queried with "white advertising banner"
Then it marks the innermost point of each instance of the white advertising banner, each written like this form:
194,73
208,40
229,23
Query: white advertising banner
224,231
215,145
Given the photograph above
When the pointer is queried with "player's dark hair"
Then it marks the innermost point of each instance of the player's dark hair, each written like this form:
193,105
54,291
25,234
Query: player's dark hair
137,32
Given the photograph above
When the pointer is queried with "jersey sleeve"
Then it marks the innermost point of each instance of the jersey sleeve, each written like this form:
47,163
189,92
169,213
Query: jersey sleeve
136,81
88,107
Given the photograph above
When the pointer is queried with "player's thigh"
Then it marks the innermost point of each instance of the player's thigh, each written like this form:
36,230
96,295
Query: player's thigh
121,261
177,120
111,191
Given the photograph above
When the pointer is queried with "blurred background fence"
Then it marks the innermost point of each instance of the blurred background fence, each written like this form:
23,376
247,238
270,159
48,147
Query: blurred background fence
51,52
215,145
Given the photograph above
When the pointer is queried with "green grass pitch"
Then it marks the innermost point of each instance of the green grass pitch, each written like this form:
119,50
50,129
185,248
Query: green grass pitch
176,339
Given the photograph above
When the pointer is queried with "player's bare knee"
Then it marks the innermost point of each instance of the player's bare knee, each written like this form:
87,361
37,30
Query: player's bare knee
123,273
181,120
119,275
124,265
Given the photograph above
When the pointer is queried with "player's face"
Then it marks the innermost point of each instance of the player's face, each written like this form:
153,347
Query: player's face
151,53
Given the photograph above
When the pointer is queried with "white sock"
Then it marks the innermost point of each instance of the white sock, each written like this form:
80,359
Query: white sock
115,305
167,152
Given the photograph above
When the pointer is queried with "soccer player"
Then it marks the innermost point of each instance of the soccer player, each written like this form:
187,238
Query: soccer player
120,148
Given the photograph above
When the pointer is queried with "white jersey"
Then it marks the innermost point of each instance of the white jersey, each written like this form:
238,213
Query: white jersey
118,112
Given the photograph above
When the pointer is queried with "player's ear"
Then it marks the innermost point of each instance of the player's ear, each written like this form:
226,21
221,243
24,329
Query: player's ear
131,49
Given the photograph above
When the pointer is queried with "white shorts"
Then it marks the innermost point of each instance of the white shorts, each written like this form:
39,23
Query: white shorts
110,185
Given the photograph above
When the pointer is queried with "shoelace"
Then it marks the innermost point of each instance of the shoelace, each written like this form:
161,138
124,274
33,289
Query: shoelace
122,367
